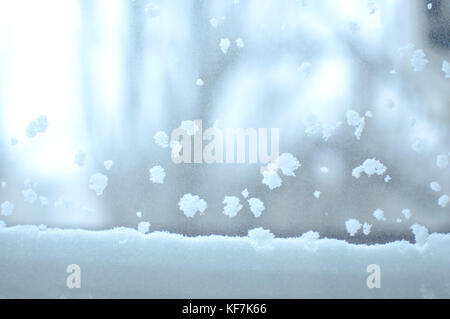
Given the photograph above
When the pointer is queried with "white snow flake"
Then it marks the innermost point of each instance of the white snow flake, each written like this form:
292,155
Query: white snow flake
232,206
288,164
407,213
271,179
379,215
38,125
435,186
63,202
108,164
256,206
157,174
13,141
418,60
199,82
161,139
443,201
352,225
43,200
418,145
370,167
357,121
98,183
446,68
7,208
442,161
80,158
190,205
239,43
29,196
305,68
144,227
313,126
261,236
367,228
214,22
224,45
328,130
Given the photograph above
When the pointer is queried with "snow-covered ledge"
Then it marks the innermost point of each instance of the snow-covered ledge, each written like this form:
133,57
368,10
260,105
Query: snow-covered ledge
125,263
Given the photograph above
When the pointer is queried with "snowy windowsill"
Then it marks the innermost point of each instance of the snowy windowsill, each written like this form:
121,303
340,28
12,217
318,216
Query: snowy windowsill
128,264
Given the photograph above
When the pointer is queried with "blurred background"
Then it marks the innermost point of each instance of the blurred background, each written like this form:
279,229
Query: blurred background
109,74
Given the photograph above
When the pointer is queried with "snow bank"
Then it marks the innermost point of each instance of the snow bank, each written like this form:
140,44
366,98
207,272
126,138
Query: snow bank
125,263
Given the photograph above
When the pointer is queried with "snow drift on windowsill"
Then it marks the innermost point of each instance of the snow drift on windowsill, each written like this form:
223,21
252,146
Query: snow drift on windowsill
125,263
